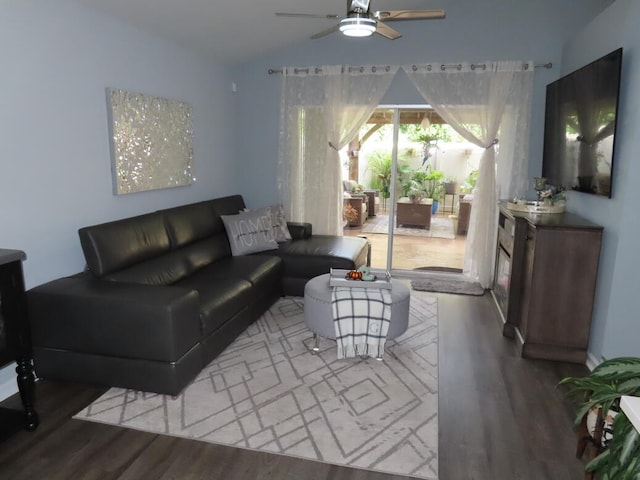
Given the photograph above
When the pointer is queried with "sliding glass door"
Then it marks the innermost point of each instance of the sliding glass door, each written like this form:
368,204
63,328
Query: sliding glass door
413,169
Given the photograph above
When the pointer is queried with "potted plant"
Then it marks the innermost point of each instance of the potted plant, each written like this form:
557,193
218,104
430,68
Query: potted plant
415,191
417,185
621,459
450,185
406,181
379,166
470,182
616,441
434,186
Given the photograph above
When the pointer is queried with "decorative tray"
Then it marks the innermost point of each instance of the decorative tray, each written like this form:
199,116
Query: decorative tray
535,207
339,278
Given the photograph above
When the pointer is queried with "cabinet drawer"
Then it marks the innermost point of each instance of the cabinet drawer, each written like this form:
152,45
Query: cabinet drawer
505,240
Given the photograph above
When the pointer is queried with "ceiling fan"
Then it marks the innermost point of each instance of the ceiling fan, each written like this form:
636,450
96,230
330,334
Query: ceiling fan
361,22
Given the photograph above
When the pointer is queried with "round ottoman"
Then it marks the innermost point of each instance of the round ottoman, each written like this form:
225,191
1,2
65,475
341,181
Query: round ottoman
318,315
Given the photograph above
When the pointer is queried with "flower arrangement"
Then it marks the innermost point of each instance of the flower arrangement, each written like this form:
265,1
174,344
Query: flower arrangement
350,213
552,195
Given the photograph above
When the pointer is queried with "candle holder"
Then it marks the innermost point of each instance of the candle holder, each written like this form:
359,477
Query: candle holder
539,185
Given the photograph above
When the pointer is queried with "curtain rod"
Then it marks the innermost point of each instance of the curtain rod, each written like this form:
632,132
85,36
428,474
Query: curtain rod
443,66
386,68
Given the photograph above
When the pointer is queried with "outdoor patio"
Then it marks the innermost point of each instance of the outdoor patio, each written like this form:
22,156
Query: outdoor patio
415,247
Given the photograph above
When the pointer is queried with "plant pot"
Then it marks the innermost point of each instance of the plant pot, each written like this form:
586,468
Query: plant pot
434,207
606,426
451,188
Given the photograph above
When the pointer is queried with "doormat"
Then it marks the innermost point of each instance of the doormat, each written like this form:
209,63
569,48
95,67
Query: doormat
446,283
441,227
440,269
267,392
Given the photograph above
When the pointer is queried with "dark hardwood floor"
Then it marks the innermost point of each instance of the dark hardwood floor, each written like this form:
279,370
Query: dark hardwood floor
501,417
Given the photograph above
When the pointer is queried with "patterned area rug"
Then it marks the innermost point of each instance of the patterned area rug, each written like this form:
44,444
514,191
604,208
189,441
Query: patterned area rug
267,392
441,227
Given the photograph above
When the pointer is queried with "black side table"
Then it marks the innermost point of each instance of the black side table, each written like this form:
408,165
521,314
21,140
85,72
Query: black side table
15,342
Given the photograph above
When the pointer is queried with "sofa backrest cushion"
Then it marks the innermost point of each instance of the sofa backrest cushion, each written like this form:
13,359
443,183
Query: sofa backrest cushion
189,223
123,244
112,246
163,270
228,205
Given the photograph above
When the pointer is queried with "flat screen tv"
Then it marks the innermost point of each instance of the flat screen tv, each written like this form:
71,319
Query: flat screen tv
580,127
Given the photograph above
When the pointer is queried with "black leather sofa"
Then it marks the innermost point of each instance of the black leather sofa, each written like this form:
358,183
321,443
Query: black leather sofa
162,296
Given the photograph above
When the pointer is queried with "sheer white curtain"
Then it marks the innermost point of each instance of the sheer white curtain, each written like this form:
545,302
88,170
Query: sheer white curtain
322,109
489,105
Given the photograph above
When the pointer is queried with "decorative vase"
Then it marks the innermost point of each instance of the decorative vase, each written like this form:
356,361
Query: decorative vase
434,207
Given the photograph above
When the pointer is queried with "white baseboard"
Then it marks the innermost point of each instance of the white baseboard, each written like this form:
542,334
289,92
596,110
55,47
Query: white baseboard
592,362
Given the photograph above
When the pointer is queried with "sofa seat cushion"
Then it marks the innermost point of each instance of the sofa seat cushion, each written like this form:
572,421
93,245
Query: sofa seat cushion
317,254
220,298
262,271
116,319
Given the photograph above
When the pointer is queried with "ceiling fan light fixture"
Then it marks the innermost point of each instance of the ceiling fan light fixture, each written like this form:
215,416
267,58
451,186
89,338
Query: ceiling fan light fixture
358,26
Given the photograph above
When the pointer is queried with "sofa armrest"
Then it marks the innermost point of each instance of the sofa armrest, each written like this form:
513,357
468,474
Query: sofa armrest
300,230
85,314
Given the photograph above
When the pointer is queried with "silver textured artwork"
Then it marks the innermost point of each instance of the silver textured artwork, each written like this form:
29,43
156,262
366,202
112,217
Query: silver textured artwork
151,142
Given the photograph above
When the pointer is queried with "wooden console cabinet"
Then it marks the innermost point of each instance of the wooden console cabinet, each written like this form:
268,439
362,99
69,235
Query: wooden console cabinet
545,279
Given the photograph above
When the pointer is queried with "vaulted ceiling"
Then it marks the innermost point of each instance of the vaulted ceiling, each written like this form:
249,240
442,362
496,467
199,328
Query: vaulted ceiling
236,31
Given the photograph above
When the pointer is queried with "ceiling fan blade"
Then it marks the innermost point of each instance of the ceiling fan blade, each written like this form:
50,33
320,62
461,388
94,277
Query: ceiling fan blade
326,32
387,32
307,15
392,15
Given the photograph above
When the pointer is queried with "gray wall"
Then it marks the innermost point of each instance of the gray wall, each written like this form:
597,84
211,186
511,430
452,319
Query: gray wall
56,61
616,327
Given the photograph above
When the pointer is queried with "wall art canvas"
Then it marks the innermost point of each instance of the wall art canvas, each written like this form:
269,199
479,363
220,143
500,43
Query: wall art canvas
151,142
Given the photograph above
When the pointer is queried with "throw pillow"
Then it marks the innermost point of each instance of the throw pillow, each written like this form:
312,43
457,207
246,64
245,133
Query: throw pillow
277,213
278,222
250,232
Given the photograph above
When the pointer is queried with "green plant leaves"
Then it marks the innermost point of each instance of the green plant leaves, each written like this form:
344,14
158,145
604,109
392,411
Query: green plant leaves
602,388
621,459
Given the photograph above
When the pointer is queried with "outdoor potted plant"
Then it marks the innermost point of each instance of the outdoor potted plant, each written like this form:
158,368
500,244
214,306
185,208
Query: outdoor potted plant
379,166
417,185
469,182
434,186
405,180
451,186
614,439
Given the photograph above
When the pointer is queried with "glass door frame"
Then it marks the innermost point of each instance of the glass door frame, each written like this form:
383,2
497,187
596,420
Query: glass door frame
394,173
